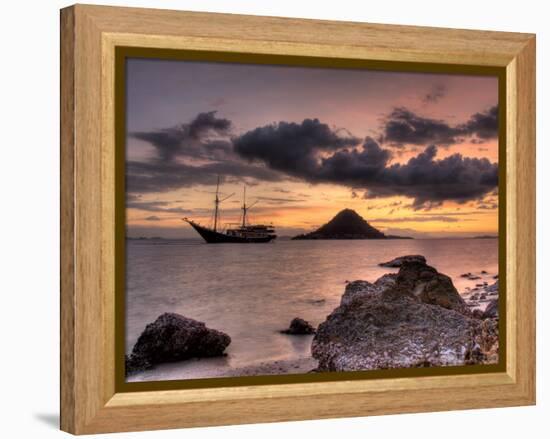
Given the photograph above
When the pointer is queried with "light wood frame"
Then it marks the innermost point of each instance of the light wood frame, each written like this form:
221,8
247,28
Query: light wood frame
89,36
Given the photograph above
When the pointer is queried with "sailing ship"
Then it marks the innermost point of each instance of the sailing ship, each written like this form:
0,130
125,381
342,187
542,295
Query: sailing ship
243,233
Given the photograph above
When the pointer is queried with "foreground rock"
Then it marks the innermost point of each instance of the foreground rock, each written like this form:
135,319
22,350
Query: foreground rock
397,262
299,326
429,286
173,337
413,319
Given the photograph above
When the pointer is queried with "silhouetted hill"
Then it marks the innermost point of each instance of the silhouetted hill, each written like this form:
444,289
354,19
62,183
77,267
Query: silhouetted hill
347,224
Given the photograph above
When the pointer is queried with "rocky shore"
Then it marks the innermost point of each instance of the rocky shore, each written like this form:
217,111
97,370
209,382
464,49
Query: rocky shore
412,318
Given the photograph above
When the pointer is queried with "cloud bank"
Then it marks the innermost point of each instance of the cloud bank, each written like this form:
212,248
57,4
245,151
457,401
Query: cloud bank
403,126
423,178
197,152
190,139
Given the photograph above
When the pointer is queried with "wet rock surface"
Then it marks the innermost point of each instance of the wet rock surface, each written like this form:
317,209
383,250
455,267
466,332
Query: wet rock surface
429,286
173,337
482,297
492,310
414,318
397,262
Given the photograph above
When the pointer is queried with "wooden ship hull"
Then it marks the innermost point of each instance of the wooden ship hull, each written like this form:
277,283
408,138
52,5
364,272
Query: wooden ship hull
214,237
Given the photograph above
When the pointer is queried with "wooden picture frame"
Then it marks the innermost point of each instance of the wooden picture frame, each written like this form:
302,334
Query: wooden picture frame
91,402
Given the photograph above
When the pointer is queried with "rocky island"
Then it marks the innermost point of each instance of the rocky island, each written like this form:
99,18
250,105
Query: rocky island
347,224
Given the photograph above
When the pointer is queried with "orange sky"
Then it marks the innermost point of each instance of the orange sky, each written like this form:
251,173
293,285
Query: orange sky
162,95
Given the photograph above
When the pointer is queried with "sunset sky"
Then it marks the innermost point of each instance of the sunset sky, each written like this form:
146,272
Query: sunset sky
413,154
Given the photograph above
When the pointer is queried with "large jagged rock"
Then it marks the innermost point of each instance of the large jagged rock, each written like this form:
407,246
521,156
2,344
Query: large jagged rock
364,289
358,289
386,281
412,319
173,337
397,262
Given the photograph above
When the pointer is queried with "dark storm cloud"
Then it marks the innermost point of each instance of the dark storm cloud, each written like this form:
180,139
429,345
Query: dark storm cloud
160,176
204,122
402,126
291,147
430,181
405,127
424,178
356,165
483,125
204,138
190,139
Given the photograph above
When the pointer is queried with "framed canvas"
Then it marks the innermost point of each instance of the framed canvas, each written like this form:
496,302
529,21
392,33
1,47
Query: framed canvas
268,219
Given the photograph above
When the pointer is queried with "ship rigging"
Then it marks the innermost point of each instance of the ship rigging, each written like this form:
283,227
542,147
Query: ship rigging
243,233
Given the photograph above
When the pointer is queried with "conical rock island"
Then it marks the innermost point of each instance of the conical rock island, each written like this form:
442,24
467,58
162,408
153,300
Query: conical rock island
347,224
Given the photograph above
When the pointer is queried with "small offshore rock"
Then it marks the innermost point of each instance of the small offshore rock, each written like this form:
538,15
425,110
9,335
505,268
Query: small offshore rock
398,262
316,301
470,276
173,337
299,326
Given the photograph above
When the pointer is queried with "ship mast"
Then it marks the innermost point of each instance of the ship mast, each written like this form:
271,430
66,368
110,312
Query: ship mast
244,206
217,201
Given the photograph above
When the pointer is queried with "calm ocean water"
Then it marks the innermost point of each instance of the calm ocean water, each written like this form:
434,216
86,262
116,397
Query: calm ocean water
253,291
